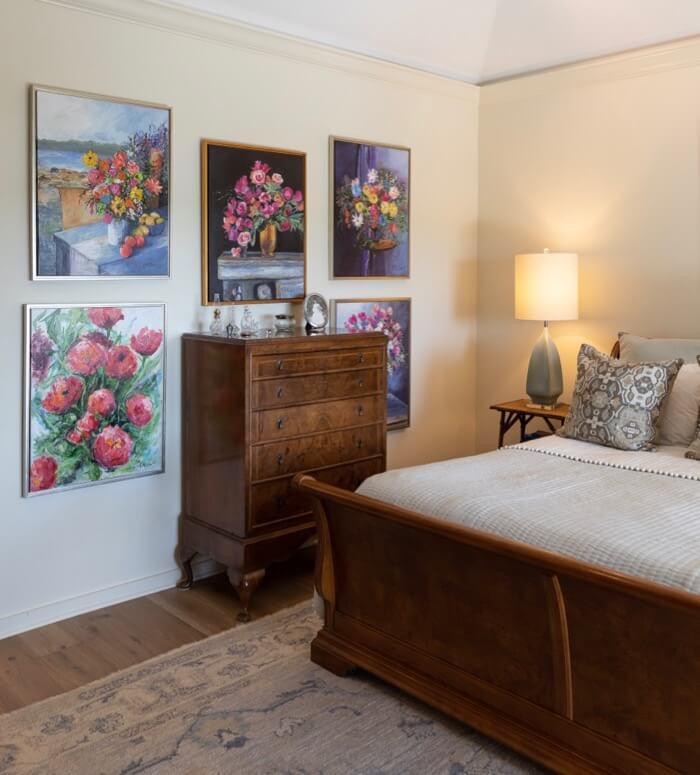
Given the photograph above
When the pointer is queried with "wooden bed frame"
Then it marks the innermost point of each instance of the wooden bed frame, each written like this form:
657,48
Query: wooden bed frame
580,668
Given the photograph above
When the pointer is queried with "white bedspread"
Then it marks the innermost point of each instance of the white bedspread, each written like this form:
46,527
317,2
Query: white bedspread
634,512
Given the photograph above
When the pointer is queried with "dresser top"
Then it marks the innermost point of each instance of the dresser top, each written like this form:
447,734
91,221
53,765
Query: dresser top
297,336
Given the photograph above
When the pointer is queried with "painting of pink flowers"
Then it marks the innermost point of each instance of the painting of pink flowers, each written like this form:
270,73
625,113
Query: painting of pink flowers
100,199
370,205
94,388
393,318
253,224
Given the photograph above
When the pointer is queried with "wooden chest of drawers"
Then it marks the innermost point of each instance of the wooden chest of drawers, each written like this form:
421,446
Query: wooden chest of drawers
255,413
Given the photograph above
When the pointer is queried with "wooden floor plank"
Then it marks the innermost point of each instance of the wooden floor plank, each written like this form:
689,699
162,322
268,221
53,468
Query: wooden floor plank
63,656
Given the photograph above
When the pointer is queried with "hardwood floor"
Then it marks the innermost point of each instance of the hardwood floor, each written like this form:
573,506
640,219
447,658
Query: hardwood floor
54,659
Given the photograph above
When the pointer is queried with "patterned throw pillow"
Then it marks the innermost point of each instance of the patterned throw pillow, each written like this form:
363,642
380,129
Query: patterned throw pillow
694,449
618,404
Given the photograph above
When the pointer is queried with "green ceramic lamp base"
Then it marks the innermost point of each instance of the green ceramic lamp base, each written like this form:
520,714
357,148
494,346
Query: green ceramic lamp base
544,377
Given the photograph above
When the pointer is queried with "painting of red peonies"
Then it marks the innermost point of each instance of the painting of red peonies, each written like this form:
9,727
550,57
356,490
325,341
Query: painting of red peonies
100,186
94,394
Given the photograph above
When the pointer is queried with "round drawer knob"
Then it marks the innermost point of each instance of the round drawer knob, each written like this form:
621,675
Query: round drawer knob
360,410
361,382
280,424
362,357
280,459
280,392
360,443
280,365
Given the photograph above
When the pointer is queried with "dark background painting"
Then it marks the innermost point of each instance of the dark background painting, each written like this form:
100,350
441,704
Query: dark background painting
225,165
354,160
398,383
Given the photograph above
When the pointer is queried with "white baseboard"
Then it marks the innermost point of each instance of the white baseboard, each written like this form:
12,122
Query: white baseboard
19,622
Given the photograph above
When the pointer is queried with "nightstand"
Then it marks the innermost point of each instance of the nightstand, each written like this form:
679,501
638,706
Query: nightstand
519,411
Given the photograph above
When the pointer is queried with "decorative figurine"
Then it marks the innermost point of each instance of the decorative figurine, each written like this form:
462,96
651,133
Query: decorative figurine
249,325
315,312
216,327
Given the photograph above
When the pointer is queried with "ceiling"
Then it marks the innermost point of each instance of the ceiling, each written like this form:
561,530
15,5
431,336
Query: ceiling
471,40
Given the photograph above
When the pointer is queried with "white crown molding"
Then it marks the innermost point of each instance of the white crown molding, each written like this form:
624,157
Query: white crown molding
639,63
214,29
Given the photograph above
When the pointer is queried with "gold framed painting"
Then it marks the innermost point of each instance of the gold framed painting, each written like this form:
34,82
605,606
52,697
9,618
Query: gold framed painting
253,224
369,210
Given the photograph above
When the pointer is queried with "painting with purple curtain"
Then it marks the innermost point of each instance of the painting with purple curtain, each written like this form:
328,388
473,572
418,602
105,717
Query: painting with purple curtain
370,199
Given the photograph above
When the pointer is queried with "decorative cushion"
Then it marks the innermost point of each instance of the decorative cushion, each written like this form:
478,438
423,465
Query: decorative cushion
694,449
639,349
618,404
679,417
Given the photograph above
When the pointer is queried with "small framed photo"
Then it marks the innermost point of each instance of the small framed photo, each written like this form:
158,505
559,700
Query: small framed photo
393,317
315,311
100,193
370,209
94,394
253,224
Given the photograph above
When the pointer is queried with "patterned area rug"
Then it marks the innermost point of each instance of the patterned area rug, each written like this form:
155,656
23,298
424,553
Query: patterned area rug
245,701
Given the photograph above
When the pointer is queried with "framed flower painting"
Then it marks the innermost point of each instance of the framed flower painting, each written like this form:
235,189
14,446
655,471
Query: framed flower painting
370,223
253,224
94,394
100,186
393,317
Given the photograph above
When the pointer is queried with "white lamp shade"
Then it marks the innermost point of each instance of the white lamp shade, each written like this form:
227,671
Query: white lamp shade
546,286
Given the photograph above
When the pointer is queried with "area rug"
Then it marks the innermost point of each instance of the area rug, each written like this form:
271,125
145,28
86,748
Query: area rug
245,701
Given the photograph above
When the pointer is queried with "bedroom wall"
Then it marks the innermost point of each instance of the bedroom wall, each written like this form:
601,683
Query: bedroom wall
600,158
68,552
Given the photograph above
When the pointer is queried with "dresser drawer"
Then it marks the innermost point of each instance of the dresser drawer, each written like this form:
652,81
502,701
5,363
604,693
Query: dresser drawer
272,424
304,363
324,449
296,390
273,502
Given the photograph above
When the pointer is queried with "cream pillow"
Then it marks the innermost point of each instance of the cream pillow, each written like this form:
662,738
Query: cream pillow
679,417
635,349
694,449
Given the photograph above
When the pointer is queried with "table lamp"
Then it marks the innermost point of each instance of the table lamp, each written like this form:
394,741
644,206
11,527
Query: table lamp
546,288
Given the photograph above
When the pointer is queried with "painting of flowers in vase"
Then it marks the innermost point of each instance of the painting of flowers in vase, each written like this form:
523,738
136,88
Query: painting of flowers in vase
393,318
100,193
370,207
253,224
94,394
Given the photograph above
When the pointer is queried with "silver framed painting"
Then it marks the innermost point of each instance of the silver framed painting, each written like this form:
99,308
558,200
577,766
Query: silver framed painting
392,316
94,394
100,183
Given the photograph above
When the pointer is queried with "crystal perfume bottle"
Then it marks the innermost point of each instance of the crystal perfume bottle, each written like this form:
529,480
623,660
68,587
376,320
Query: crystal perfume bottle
216,327
249,325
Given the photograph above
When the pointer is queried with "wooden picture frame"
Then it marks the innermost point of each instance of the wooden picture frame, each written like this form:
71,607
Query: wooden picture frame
398,308
357,251
253,245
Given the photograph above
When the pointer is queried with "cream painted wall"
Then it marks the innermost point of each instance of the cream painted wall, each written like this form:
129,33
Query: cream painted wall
601,159
67,552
